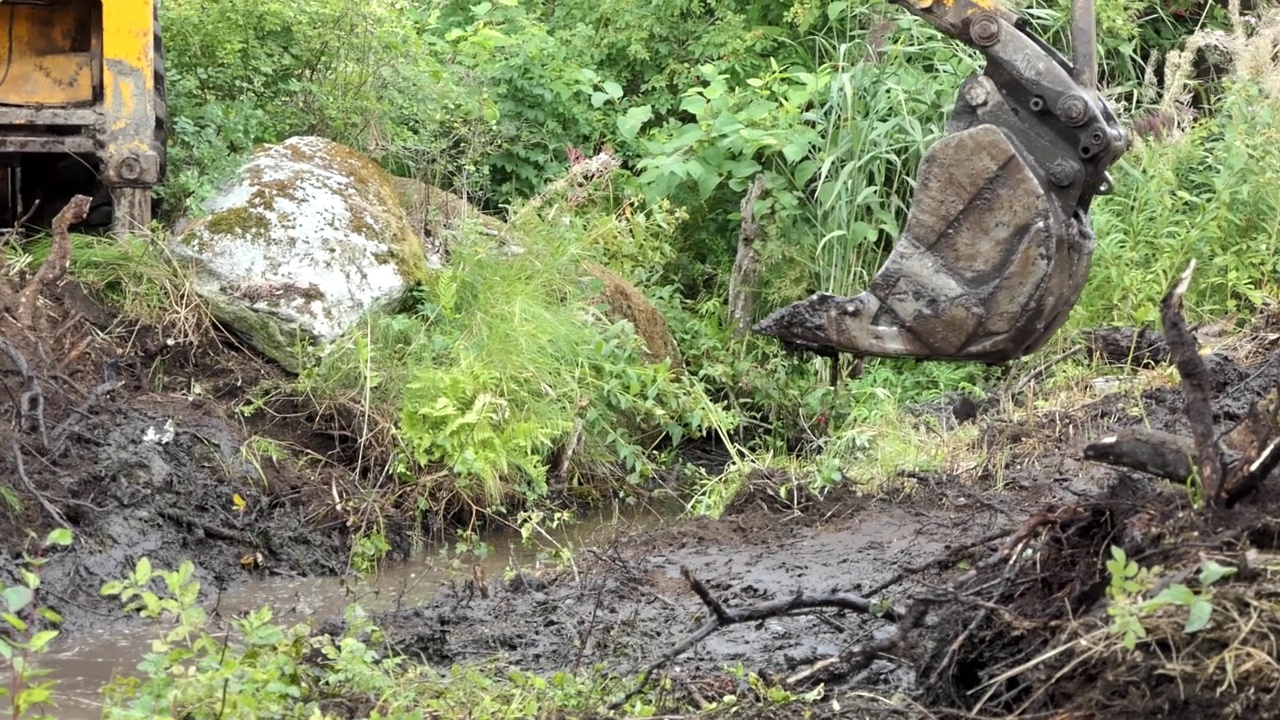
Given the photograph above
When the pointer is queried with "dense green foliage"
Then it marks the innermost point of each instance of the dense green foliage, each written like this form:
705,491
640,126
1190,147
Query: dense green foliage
472,391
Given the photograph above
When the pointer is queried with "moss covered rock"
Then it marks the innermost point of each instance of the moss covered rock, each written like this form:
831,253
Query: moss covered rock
300,244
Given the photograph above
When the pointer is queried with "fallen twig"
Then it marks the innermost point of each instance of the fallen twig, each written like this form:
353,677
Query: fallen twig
206,528
55,266
722,617
945,559
859,657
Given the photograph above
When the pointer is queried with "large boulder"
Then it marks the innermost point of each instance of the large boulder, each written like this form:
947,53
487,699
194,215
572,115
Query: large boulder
307,238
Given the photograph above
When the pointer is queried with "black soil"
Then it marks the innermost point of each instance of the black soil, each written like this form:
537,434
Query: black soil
134,443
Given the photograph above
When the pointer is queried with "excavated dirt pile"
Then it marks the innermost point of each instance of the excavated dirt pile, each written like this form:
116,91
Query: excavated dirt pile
132,442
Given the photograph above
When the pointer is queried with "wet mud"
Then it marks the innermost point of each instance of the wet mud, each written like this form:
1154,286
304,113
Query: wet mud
1002,643
134,444
138,448
625,602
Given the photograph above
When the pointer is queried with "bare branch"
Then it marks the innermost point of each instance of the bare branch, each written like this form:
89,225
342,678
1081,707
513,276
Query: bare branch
55,266
722,617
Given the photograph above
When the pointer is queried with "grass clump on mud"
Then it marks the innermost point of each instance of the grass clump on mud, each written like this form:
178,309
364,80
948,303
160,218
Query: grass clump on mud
502,382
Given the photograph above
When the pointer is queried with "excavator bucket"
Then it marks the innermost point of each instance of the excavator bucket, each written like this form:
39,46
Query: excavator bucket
997,244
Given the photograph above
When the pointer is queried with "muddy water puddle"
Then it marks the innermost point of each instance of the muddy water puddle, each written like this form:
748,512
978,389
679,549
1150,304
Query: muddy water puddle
624,593
86,661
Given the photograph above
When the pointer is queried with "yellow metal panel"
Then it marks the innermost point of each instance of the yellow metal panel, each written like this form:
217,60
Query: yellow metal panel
128,60
48,63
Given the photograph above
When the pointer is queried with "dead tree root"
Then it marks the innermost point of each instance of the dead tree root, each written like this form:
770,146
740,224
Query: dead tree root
1228,468
722,617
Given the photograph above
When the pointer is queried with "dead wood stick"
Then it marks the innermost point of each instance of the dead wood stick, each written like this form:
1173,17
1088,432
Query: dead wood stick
859,657
1154,452
722,617
1249,452
1257,439
1195,387
944,559
206,528
55,266
746,264
31,487
1230,467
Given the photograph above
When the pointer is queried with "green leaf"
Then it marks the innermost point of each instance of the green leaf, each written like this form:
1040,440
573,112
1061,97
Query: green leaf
836,8
1211,572
142,572
17,597
59,536
795,151
1178,594
42,638
14,621
1198,618
708,181
613,88
629,124
693,104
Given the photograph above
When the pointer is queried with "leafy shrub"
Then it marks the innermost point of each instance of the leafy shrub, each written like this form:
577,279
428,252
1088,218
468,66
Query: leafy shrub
1211,193
500,356
541,95
367,74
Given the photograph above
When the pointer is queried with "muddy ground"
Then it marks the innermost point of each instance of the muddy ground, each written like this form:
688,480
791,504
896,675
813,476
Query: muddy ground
626,602
135,444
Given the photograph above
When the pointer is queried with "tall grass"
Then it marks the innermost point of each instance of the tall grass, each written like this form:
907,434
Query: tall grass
1209,190
894,78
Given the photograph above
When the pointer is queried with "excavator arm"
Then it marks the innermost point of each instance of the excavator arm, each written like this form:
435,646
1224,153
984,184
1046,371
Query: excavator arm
998,243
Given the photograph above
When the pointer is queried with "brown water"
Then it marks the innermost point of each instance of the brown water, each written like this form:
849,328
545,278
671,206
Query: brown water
82,665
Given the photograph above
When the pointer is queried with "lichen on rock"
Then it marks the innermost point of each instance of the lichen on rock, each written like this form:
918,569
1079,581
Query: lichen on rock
306,239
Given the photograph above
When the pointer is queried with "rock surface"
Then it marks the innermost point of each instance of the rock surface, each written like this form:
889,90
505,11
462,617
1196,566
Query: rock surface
307,238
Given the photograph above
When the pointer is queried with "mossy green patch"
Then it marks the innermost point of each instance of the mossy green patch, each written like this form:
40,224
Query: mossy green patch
241,220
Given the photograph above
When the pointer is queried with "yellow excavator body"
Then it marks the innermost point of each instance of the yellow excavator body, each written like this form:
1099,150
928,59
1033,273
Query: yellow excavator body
81,107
